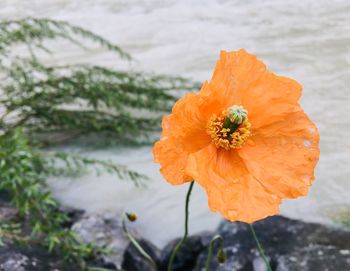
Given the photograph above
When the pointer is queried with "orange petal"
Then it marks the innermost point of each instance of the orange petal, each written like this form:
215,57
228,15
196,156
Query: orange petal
271,98
240,78
188,123
171,157
231,189
233,73
283,155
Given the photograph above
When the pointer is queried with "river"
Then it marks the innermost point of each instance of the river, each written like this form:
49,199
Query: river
307,40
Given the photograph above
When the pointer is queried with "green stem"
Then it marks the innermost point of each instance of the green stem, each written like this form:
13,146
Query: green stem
260,248
179,244
138,246
210,251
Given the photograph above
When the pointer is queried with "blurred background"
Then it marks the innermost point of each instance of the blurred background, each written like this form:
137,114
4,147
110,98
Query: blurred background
306,40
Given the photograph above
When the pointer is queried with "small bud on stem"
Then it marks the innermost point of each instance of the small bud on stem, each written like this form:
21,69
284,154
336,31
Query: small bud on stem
131,216
221,256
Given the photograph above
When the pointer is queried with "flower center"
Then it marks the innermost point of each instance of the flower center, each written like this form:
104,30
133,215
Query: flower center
230,129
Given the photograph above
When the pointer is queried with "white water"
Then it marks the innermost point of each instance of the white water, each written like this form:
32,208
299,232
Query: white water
306,40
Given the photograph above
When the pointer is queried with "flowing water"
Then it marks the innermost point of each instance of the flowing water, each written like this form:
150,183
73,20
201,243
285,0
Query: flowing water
306,40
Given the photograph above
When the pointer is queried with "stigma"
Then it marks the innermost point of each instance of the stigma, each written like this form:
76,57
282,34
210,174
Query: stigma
230,129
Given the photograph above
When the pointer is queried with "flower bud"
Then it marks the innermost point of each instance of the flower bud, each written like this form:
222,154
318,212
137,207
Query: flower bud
221,256
131,216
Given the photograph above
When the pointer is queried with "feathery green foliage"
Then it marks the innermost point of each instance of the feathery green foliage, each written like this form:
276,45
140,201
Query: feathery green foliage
74,164
22,172
45,104
85,99
80,99
34,32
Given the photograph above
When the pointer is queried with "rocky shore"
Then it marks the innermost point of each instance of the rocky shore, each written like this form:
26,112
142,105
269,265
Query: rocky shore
290,245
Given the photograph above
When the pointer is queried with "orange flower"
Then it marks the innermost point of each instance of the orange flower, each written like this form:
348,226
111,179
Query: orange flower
244,138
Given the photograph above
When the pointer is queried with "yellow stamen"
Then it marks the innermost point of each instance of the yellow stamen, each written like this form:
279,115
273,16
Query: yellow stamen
219,128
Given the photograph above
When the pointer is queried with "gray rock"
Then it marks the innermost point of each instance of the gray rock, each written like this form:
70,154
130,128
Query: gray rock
318,257
8,213
104,230
187,255
236,260
33,258
15,257
133,260
12,261
290,245
73,215
281,234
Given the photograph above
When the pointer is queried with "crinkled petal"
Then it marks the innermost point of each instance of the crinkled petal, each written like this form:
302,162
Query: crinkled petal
231,189
188,124
172,158
240,78
270,99
283,155
278,160
233,73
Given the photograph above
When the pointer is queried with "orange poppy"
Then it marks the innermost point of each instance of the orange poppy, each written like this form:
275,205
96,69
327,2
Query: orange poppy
244,138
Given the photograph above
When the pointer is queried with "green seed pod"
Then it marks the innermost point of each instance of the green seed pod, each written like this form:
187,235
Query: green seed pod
221,256
237,114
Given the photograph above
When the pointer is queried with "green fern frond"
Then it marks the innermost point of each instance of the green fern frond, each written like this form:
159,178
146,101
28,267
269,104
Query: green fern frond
34,31
39,101
87,99
75,163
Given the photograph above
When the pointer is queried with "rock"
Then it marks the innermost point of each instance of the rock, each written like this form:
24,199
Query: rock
8,214
289,244
133,260
12,261
187,255
73,215
7,211
16,258
104,230
236,260
315,257
281,235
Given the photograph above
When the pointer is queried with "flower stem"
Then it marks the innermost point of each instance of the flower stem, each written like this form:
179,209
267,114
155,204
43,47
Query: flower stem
210,251
138,246
260,248
179,244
